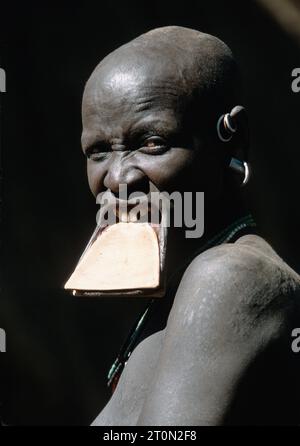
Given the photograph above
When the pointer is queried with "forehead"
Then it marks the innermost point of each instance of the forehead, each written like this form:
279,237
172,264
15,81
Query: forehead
121,95
125,92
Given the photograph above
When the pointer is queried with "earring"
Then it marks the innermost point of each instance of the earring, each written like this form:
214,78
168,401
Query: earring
226,128
241,167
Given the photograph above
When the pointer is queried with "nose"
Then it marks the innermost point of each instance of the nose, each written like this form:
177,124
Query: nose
120,171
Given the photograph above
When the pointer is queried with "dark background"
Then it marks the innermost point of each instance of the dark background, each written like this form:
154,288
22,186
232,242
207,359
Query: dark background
59,348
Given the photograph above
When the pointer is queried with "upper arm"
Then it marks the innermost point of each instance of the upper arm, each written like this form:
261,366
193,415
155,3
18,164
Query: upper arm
125,405
230,306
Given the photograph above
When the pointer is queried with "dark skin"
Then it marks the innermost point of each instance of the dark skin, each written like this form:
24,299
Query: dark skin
127,139
149,116
142,126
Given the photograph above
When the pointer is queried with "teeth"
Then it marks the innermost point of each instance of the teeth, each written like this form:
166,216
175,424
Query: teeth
140,214
124,217
144,213
132,217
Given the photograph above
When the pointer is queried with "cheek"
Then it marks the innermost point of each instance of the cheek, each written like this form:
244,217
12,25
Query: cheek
185,170
208,172
170,171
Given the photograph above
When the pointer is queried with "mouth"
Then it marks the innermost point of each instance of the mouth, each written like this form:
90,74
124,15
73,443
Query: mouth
125,256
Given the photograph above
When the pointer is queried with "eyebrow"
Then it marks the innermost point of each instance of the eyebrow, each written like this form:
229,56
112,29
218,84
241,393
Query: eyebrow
161,126
89,140
143,127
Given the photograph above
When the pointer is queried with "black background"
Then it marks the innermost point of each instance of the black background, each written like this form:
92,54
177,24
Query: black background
58,347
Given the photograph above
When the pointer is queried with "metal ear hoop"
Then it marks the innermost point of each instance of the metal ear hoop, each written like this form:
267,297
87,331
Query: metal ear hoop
226,128
241,167
226,125
230,126
221,121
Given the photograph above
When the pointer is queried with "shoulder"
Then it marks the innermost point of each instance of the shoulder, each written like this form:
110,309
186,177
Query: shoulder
248,254
241,281
225,337
248,261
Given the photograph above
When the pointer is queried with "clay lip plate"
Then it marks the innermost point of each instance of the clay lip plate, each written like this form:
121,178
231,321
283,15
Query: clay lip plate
126,257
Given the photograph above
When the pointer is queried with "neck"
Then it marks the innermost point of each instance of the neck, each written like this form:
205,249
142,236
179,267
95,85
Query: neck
218,214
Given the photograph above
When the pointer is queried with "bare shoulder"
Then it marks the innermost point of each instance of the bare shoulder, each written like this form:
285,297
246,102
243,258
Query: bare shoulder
249,254
227,343
242,280
249,261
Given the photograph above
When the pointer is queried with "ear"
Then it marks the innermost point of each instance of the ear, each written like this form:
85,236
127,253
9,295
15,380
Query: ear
233,131
240,140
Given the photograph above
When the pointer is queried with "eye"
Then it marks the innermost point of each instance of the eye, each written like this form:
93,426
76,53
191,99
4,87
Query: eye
98,152
154,145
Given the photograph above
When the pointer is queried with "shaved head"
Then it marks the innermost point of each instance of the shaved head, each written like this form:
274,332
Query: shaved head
201,66
160,94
